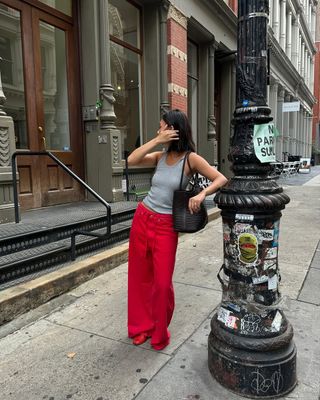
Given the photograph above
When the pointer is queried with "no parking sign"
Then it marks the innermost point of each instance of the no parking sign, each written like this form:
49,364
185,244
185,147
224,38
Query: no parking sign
264,142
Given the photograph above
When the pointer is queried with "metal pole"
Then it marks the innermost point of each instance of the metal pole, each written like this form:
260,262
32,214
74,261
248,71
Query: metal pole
126,155
250,346
15,189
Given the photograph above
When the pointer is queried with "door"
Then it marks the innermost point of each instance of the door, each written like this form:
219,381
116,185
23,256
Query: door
41,44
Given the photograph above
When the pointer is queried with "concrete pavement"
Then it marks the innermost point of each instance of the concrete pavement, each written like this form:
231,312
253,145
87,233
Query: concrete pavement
75,347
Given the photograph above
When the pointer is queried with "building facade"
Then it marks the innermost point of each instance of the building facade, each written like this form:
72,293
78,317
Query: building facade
89,81
292,26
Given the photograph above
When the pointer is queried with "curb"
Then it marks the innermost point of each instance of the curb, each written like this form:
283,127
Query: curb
19,299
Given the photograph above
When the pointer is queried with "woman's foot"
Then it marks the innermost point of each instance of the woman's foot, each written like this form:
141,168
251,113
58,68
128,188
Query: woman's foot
141,338
161,346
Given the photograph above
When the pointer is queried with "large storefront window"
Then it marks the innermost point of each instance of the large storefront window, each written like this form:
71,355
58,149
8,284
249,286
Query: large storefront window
54,83
11,68
125,53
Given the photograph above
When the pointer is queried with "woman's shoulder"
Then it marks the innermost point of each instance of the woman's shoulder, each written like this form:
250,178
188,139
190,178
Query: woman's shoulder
193,156
197,161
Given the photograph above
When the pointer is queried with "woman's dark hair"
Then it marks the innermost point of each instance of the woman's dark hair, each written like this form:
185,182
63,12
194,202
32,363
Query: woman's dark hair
179,121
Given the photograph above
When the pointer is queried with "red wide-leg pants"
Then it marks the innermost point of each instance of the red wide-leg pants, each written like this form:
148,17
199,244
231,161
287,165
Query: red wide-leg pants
152,253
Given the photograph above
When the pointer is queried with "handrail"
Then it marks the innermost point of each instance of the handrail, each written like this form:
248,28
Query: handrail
74,176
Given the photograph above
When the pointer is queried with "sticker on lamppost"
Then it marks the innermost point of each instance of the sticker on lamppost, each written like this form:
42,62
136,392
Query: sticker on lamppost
264,142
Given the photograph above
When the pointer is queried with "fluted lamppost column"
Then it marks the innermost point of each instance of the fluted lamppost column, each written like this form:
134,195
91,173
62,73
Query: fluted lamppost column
250,346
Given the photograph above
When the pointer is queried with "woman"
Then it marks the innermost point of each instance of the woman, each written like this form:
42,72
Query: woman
153,242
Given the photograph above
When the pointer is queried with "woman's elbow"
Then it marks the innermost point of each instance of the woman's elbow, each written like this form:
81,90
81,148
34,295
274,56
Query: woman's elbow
130,161
224,181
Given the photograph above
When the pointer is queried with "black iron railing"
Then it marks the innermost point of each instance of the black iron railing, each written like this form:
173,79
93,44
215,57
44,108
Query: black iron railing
74,176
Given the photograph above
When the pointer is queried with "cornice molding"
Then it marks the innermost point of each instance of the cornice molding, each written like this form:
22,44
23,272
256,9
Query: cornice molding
224,13
175,14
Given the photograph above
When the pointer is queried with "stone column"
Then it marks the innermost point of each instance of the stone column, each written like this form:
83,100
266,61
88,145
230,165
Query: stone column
299,53
273,101
109,136
163,15
302,60
301,132
305,65
283,20
273,104
271,13
310,135
276,19
304,133
7,148
295,132
312,76
279,141
308,71
313,24
292,124
211,116
289,35
295,43
286,135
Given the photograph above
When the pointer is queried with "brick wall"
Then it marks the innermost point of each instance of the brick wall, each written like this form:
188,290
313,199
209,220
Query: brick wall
177,60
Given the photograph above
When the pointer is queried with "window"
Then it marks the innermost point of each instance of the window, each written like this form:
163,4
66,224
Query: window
6,68
54,84
125,54
65,6
11,68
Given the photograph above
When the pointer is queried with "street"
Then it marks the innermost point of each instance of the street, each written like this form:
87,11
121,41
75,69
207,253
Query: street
75,347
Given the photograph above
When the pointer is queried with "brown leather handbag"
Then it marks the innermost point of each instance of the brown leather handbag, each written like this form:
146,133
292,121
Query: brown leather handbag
183,220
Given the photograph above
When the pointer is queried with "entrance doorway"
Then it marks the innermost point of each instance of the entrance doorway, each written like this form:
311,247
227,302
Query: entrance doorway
40,75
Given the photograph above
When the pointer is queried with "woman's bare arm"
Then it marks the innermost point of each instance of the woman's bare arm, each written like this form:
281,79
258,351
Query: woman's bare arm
200,165
142,156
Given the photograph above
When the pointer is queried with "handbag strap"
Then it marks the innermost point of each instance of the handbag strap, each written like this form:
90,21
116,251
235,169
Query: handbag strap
186,157
195,176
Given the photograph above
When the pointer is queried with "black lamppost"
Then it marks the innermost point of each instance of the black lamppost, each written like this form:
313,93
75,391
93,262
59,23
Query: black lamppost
250,345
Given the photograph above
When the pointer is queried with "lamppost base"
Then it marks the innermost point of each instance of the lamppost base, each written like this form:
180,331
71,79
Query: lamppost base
254,374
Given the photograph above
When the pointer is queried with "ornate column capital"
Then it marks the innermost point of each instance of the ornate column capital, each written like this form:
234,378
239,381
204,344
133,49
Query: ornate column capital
287,96
274,83
163,11
107,115
213,46
281,93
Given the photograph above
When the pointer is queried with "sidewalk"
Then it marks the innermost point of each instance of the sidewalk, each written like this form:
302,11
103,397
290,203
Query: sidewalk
75,347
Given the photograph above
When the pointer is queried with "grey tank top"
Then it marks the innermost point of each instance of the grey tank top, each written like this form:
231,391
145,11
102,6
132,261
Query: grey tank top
165,181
